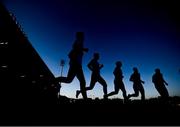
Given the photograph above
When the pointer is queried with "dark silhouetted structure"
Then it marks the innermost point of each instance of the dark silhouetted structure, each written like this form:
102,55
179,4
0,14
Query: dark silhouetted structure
118,81
95,67
160,83
137,84
24,77
75,64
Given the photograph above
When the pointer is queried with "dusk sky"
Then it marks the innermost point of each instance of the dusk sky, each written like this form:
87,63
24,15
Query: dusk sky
143,34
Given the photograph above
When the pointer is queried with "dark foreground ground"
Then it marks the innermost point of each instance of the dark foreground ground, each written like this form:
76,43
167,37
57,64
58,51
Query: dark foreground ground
94,112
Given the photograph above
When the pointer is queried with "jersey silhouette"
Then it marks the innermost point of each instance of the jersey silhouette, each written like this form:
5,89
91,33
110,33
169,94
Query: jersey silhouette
95,67
160,83
118,81
75,64
137,85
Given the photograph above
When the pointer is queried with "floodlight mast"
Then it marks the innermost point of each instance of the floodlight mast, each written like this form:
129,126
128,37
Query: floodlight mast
62,63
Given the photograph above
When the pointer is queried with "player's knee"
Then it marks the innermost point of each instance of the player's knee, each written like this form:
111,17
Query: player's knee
116,91
90,88
68,81
136,94
105,86
124,91
83,82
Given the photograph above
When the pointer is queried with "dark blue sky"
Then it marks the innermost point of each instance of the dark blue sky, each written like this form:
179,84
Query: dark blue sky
144,34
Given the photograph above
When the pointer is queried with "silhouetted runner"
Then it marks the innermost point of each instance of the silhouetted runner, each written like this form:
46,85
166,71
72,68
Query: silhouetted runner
118,81
137,85
160,83
95,67
75,64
